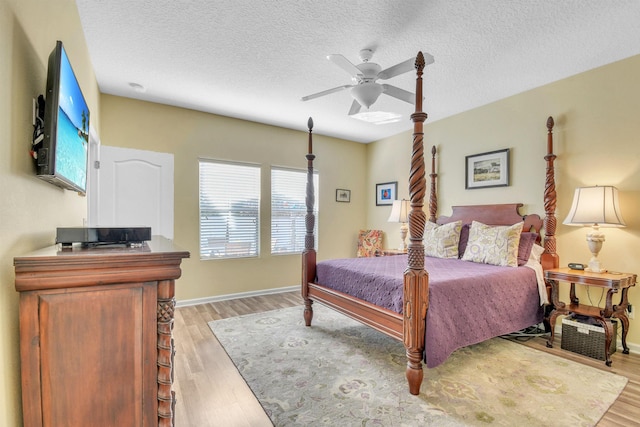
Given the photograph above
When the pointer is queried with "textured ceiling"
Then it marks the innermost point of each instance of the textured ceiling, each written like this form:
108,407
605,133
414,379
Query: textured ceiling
254,60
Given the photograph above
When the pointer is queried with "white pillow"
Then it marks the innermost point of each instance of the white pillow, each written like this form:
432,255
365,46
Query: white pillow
441,241
497,245
536,252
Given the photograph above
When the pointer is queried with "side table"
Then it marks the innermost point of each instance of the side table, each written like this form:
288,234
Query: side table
612,282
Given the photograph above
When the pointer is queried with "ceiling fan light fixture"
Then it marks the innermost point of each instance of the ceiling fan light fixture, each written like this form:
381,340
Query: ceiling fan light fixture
366,93
378,117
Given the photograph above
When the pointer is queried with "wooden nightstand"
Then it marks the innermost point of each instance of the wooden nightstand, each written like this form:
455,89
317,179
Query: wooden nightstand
612,282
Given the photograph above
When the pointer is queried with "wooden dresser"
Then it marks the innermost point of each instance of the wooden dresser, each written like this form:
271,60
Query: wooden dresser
95,334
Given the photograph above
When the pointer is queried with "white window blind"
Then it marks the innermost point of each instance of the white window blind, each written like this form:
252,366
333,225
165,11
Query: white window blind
288,210
229,210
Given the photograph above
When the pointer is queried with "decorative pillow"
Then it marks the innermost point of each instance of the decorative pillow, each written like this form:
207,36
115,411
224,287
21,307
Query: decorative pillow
464,238
441,241
527,239
369,243
497,245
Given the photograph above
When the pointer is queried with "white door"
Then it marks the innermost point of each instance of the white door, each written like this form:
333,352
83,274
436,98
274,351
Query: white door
132,188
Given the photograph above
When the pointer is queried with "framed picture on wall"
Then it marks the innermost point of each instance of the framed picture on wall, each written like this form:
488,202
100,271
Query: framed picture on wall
489,169
386,193
343,195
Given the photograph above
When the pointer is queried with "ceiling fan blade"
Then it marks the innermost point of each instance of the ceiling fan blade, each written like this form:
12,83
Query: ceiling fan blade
428,58
325,92
345,64
403,67
401,94
355,108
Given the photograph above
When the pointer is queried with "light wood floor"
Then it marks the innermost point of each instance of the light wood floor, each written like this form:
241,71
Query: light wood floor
211,392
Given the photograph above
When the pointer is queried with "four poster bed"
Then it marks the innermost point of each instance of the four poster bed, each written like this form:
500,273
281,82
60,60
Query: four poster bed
436,304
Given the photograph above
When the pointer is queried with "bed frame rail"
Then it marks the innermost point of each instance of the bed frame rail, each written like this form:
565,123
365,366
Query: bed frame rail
386,321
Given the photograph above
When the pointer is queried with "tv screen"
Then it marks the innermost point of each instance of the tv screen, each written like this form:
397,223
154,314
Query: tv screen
62,159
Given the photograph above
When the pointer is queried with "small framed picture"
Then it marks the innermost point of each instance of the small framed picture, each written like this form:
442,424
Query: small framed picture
489,169
386,193
343,195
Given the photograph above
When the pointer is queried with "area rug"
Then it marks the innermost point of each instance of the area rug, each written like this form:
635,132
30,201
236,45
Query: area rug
339,372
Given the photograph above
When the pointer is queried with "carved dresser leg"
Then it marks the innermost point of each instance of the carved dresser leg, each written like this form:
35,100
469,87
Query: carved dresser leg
166,352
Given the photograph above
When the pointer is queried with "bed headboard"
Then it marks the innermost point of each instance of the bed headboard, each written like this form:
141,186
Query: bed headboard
508,214
501,214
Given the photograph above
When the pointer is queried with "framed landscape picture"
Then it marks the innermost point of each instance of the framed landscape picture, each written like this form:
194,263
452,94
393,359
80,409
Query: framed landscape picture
343,195
489,169
386,193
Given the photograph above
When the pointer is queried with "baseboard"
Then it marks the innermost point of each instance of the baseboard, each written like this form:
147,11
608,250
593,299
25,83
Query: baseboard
633,348
206,300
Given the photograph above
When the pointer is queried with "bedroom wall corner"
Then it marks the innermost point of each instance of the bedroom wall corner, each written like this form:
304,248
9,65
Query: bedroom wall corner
190,135
388,160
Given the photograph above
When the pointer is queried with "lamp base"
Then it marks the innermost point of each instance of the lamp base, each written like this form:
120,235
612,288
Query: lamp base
403,235
594,240
595,267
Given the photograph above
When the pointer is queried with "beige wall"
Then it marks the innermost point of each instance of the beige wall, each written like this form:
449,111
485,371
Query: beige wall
31,209
191,135
596,140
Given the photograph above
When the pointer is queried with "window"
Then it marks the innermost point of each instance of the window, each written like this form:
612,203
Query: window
229,210
288,210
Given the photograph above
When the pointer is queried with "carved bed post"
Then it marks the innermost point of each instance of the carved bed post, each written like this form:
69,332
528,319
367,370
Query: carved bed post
433,196
416,279
309,253
550,257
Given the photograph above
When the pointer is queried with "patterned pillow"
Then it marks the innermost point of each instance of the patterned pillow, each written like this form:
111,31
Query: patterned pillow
369,243
441,241
497,245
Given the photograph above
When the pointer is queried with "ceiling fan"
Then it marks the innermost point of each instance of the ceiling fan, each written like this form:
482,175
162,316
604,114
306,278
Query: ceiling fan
365,90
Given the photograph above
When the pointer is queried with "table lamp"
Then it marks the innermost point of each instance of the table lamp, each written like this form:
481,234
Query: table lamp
598,207
400,213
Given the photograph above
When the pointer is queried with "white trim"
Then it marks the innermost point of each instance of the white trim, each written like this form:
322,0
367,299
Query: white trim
93,177
633,348
206,300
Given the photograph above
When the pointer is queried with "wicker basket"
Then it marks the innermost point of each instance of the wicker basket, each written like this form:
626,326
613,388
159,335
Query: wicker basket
586,339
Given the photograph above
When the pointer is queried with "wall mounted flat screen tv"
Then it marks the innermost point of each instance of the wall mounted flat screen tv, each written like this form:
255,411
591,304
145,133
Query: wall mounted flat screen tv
62,158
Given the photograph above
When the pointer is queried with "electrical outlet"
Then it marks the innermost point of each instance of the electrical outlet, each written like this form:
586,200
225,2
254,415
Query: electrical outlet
630,311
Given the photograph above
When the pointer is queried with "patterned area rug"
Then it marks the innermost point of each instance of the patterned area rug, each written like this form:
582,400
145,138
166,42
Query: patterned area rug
338,372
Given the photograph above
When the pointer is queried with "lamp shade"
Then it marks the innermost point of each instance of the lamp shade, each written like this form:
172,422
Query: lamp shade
595,206
399,211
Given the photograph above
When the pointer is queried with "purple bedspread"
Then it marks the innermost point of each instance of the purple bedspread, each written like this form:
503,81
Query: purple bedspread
468,302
